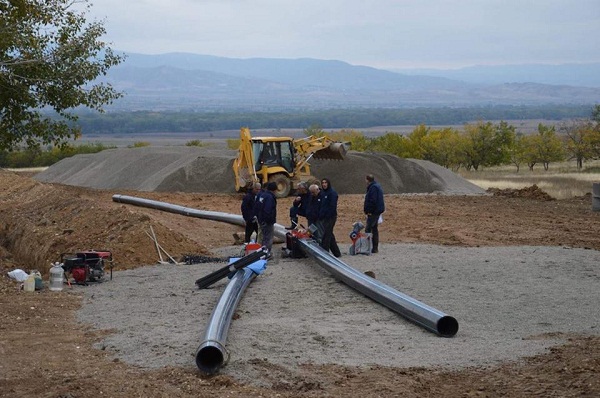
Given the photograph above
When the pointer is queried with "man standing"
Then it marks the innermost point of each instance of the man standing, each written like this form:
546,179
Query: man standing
248,211
328,216
299,205
314,204
374,207
267,215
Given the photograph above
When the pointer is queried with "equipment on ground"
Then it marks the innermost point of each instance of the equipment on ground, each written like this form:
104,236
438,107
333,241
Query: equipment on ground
87,266
282,160
292,246
362,243
206,281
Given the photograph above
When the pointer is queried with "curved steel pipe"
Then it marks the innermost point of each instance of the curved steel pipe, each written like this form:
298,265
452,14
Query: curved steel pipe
235,219
417,312
211,354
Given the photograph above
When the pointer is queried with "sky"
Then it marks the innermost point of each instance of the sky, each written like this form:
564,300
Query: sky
387,34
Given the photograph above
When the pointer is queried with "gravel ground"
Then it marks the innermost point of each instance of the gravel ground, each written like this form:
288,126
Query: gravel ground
510,302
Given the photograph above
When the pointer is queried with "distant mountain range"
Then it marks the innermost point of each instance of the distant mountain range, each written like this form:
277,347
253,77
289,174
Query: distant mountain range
582,75
191,82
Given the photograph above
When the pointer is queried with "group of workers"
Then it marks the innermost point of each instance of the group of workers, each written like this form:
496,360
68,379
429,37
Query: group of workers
318,204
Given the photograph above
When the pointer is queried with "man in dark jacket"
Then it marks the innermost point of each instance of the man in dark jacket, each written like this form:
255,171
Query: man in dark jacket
374,207
328,216
267,214
314,204
248,211
299,205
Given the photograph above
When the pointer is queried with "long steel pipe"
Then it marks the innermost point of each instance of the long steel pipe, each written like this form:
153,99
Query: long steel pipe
412,309
235,219
212,354
417,312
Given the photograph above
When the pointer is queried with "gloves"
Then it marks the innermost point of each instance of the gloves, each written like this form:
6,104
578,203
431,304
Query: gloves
255,220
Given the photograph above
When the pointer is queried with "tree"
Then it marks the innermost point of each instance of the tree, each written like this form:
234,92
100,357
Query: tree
487,144
548,146
582,140
392,143
443,147
50,57
414,143
518,153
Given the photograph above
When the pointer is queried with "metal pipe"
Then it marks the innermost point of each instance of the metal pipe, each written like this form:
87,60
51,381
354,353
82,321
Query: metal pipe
279,230
212,354
410,308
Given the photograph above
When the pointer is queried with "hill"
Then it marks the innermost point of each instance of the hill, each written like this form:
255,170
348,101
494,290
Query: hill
199,82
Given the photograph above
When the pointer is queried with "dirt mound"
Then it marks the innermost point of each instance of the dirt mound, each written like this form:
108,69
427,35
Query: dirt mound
532,192
193,169
41,221
183,169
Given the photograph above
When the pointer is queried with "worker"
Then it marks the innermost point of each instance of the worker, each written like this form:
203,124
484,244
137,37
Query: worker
267,216
373,208
248,214
269,154
328,216
299,205
314,204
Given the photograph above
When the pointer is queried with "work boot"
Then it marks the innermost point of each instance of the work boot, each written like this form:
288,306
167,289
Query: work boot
294,224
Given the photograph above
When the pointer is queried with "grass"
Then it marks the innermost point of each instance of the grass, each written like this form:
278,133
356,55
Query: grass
561,181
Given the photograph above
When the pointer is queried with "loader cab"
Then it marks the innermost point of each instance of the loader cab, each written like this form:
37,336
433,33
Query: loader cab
273,151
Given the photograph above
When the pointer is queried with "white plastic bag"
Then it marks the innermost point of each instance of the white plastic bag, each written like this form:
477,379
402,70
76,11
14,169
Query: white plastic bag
380,220
19,275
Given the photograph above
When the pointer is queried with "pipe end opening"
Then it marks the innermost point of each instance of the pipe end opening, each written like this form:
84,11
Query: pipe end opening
447,326
209,359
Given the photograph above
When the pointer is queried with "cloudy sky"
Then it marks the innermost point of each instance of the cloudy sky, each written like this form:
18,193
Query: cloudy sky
378,33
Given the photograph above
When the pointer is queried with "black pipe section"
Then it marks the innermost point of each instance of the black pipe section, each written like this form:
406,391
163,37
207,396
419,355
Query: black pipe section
279,230
211,355
221,273
415,311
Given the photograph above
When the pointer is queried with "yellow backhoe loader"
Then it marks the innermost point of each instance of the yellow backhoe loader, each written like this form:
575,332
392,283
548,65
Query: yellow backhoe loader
283,160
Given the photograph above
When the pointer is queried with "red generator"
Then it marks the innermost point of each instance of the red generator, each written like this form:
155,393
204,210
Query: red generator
87,266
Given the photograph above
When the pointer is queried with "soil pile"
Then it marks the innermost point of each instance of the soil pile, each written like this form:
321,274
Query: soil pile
193,169
532,192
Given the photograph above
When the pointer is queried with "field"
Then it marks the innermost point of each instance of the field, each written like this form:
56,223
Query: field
561,181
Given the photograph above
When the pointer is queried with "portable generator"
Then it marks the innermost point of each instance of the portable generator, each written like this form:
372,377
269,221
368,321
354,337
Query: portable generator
87,266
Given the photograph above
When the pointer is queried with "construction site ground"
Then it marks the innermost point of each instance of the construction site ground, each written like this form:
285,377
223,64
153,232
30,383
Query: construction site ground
46,351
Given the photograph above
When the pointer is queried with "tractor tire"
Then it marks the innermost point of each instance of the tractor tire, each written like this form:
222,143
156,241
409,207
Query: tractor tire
284,185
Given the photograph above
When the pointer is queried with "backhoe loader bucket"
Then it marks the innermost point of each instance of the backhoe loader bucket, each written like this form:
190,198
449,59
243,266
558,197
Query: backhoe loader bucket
336,151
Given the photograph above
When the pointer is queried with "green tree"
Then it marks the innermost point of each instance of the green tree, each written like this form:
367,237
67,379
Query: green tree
517,153
414,142
443,147
392,143
549,147
487,144
49,58
582,140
